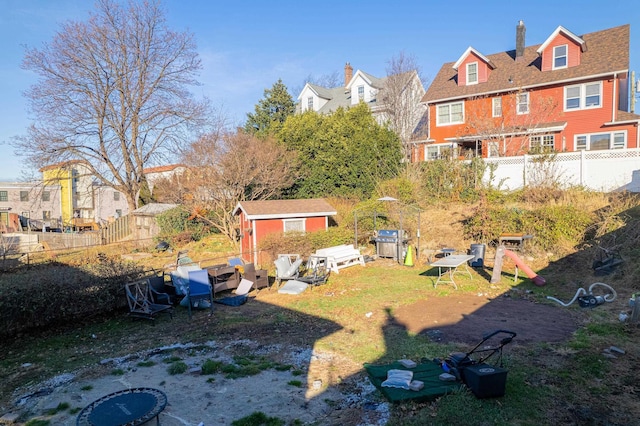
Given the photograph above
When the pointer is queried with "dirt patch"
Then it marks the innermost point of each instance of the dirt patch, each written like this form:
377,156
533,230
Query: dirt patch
465,318
305,392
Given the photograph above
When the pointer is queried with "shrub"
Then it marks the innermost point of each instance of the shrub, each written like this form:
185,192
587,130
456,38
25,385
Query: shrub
177,367
178,226
63,406
304,243
211,367
553,226
56,294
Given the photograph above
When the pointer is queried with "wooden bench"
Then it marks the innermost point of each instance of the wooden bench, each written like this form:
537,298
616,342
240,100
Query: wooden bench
341,256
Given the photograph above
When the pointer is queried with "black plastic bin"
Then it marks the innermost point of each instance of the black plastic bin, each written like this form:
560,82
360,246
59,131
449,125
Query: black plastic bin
477,250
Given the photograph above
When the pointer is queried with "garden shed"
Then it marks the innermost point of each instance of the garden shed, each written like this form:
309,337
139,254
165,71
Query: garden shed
145,225
260,218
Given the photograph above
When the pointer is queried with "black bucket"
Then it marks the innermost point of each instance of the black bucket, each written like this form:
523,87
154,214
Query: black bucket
477,250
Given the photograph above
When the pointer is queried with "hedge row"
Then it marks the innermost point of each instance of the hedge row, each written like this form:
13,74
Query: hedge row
57,294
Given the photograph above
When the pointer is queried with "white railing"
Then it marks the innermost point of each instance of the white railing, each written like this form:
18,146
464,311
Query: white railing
612,170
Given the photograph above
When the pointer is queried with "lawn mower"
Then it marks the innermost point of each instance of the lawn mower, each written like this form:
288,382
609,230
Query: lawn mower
483,379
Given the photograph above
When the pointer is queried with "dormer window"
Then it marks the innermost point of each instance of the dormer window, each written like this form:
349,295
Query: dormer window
472,73
561,44
361,93
560,56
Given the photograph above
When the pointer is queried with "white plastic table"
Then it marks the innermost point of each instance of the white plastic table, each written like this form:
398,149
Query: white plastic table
448,265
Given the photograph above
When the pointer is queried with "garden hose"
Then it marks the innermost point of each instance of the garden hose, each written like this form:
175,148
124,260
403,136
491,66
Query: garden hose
587,299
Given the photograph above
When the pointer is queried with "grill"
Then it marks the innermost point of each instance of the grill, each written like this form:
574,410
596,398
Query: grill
388,244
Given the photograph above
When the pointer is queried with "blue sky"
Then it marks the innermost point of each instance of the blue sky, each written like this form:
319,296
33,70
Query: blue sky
246,46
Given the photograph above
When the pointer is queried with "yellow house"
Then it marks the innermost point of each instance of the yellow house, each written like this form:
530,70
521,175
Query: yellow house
62,174
84,204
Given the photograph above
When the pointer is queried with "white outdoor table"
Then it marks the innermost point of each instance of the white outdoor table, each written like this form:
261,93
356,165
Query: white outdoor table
450,265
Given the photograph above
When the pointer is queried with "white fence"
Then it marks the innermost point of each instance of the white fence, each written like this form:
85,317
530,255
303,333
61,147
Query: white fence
13,243
613,170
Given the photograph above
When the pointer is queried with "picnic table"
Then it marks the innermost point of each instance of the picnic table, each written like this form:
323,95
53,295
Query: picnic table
448,266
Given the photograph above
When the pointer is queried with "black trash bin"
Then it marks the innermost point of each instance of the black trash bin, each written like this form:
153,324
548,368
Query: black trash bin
477,250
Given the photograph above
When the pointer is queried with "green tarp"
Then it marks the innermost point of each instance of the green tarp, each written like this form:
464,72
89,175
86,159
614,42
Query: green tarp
428,372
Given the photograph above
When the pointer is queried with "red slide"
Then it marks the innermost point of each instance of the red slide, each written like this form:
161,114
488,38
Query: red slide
537,279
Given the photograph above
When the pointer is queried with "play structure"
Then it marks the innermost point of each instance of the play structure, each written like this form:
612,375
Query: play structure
501,251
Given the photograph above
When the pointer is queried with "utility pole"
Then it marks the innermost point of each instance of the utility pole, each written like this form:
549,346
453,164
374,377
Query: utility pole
634,88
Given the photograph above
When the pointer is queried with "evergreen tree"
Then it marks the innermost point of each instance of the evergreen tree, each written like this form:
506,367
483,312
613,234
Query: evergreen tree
271,111
344,154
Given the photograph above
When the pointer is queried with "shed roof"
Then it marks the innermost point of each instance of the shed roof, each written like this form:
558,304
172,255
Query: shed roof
277,209
153,209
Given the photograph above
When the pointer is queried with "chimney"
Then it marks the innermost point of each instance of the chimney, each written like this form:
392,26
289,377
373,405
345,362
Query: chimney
520,30
348,73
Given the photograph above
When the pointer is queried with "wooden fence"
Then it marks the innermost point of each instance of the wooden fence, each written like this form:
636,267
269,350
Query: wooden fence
115,231
62,241
25,242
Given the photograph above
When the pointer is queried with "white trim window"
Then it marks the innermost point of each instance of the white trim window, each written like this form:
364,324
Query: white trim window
583,96
294,225
522,103
472,73
542,143
601,141
438,151
452,113
310,103
560,56
496,107
361,93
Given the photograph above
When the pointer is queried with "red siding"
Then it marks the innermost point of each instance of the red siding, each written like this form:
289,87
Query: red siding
483,72
546,106
316,224
483,69
462,73
264,227
573,52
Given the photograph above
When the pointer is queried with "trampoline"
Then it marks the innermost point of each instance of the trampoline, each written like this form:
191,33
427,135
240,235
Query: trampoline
128,407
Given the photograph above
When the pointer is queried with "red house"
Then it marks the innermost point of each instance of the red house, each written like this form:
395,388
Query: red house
567,94
260,218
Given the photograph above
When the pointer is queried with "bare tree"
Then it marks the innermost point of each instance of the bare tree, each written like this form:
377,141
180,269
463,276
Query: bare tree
229,167
401,96
113,92
506,127
328,81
